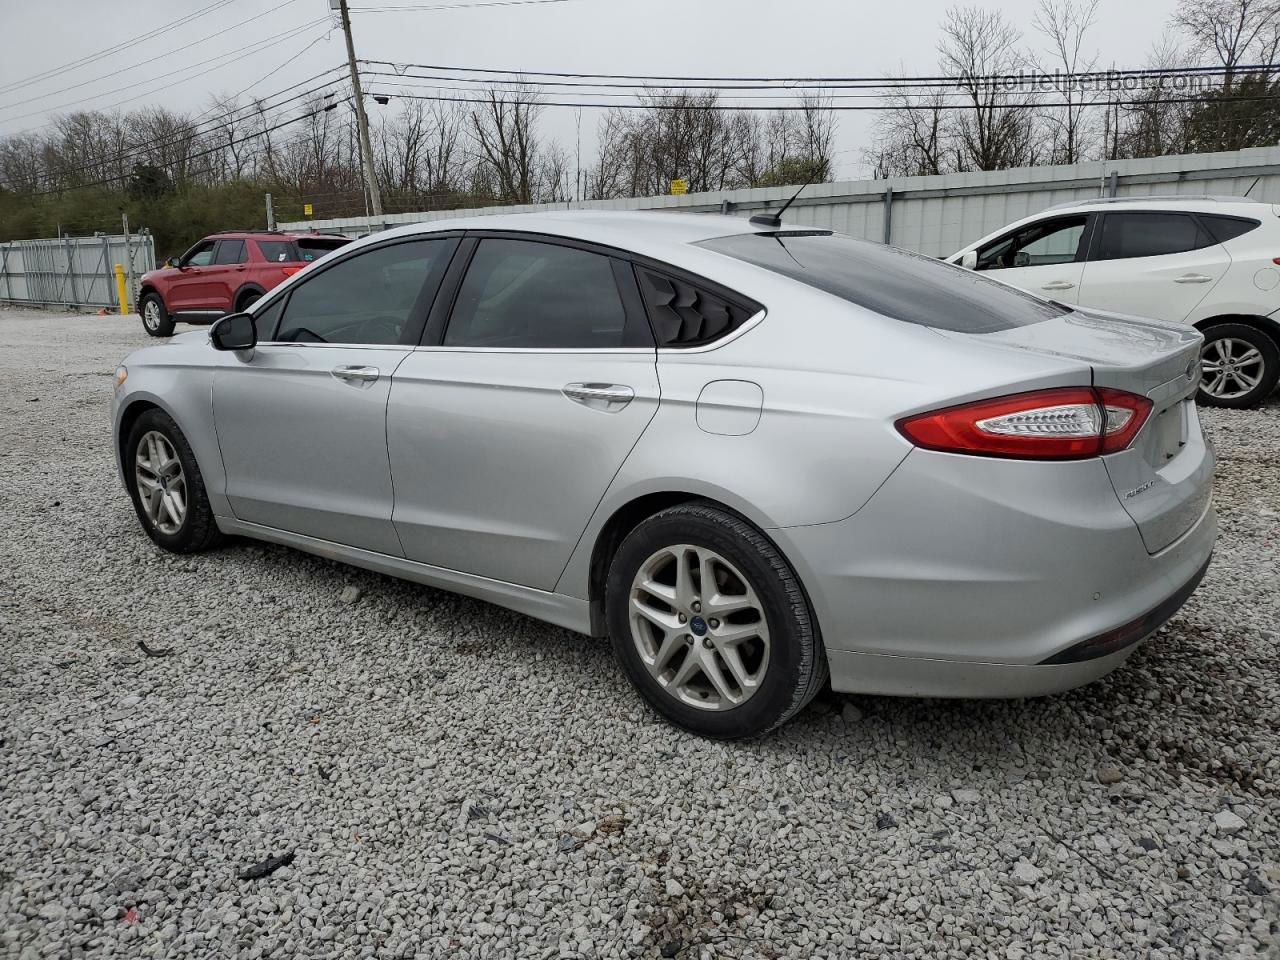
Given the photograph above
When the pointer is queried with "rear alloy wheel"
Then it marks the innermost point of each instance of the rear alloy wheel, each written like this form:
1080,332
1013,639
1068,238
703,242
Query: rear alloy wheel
1239,366
711,625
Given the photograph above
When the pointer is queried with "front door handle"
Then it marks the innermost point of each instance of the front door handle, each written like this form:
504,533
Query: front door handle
610,397
355,374
1192,278
1057,285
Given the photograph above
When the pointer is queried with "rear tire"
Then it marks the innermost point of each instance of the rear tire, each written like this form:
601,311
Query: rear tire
166,486
692,668
247,301
1240,366
155,318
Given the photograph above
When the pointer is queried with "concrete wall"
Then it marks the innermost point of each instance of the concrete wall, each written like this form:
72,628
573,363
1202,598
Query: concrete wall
931,215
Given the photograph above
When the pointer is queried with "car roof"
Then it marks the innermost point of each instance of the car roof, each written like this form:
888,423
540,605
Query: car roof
1200,204
271,235
654,233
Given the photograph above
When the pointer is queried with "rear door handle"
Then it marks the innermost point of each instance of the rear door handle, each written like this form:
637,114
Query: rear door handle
1192,278
610,397
356,374
1057,285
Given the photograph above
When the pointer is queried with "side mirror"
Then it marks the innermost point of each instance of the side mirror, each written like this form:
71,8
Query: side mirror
233,332
969,260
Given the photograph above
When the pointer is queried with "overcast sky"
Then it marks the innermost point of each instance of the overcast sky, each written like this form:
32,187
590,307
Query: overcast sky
681,37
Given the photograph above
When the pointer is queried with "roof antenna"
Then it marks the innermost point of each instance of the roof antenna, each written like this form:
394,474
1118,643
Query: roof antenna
775,219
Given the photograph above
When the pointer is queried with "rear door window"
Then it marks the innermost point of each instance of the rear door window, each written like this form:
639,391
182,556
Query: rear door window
230,251
1128,235
521,294
905,286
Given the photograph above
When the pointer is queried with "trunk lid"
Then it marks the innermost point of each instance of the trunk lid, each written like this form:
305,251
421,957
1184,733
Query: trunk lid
1164,478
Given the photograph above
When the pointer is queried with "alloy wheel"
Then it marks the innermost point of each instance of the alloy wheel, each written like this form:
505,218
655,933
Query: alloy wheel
699,627
1230,368
151,315
162,486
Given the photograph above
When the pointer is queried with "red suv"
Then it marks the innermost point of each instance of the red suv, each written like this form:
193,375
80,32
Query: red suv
224,274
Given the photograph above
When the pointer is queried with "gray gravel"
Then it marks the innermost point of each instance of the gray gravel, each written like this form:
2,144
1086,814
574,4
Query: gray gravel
453,779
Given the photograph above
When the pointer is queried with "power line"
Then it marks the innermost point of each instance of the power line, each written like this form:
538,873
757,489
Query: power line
881,81
148,62
94,57
408,8
234,55
836,107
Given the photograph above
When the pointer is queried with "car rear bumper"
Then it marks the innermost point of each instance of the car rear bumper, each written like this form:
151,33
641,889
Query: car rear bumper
986,578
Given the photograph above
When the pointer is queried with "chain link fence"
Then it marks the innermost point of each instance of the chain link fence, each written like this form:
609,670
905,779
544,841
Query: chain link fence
71,272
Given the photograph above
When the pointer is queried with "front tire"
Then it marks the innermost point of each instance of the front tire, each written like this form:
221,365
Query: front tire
1239,364
166,486
155,318
711,625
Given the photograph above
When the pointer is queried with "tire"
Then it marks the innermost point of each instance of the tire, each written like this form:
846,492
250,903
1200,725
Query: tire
785,663
155,318
247,301
196,529
1240,385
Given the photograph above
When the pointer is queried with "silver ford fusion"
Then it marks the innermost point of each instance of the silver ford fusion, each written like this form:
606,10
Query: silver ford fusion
752,455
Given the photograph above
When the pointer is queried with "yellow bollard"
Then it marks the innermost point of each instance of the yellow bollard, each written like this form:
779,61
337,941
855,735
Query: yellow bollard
120,290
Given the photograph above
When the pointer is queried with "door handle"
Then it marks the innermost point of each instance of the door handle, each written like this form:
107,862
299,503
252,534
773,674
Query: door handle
355,374
599,396
1057,285
1192,278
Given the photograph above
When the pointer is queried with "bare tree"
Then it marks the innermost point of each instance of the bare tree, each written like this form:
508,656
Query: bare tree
504,129
1064,23
996,130
912,138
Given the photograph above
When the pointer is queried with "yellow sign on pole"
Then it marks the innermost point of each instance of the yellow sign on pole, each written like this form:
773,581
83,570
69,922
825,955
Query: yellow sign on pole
306,209
679,187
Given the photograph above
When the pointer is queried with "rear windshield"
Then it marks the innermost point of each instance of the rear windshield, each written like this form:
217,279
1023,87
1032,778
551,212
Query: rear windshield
313,248
905,286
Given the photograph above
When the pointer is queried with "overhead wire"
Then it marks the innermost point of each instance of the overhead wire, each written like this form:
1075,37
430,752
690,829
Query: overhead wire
115,48
149,61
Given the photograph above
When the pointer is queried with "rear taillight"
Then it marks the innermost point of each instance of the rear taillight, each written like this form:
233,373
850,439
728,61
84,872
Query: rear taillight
1067,423
290,271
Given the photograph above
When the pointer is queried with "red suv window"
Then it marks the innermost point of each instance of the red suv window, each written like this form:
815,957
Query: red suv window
277,251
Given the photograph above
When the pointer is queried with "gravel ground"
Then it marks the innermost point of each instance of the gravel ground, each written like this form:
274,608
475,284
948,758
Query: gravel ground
452,779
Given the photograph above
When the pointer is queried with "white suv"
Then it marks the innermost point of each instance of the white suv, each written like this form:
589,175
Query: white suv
1213,263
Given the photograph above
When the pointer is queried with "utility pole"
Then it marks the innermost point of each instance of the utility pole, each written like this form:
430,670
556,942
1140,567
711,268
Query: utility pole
271,215
362,121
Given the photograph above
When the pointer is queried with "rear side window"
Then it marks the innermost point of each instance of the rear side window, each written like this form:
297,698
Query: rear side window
367,298
277,251
1228,228
524,294
230,251
905,286
685,314
1128,235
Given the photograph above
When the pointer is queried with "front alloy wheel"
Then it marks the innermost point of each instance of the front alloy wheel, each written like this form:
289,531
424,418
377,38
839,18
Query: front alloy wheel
162,486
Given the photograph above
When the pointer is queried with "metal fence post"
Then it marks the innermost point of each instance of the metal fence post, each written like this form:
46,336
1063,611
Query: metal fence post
106,271
71,270
1113,183
888,214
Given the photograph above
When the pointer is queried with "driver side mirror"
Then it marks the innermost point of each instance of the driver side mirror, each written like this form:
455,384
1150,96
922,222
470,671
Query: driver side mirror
970,260
234,332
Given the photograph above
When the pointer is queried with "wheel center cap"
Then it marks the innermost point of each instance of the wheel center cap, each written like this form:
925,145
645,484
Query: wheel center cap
698,627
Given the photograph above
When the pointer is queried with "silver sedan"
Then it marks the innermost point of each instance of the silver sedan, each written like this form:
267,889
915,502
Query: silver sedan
754,456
